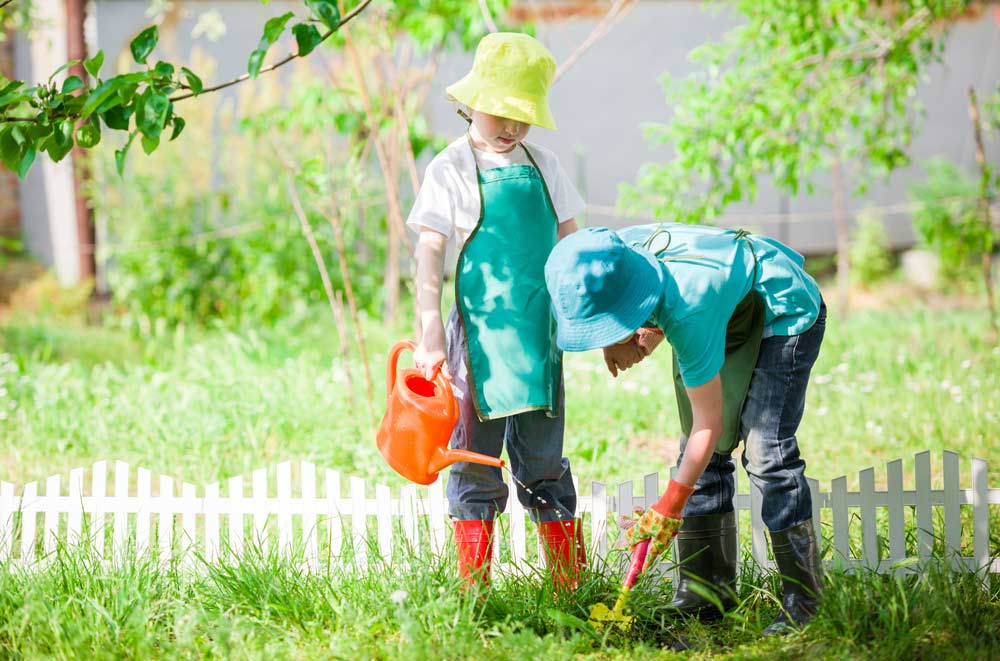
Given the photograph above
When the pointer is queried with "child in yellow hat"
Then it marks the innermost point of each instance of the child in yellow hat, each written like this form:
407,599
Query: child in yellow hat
504,202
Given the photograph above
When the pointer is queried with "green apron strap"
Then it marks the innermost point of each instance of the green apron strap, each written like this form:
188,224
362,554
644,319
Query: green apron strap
743,336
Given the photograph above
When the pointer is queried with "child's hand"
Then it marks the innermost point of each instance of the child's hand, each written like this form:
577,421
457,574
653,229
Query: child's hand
648,339
620,357
658,528
429,357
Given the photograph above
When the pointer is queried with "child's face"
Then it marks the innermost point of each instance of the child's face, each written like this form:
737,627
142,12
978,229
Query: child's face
498,133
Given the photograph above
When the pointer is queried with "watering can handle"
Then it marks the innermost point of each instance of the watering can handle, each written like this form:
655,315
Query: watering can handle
439,380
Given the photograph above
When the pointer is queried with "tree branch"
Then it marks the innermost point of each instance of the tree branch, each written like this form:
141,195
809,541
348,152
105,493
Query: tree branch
618,11
483,7
347,17
5,3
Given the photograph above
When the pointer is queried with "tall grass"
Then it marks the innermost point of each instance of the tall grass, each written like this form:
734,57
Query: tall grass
264,607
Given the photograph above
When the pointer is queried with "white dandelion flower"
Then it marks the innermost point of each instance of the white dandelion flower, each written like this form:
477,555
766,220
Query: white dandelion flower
399,596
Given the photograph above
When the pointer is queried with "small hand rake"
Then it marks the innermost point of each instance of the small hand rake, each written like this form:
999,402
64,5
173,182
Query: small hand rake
600,615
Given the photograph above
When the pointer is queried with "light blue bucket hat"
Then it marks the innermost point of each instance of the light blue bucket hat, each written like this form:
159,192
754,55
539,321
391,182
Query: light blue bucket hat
602,290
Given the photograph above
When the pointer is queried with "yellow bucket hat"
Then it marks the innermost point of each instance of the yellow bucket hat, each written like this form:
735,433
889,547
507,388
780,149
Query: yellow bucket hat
510,77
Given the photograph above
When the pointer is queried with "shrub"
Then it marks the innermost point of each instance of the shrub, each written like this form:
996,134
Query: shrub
871,258
205,231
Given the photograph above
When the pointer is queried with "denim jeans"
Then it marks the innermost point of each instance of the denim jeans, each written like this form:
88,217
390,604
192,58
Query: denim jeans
770,419
534,447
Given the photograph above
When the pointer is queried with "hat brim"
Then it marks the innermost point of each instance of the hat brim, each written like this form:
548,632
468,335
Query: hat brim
633,309
473,92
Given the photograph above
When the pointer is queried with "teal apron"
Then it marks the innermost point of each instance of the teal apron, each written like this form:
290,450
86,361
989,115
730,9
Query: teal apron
743,335
503,304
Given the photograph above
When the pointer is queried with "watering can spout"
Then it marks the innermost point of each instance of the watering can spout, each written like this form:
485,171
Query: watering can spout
445,458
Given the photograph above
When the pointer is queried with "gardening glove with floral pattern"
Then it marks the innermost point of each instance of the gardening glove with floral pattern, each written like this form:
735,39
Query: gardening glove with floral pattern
660,523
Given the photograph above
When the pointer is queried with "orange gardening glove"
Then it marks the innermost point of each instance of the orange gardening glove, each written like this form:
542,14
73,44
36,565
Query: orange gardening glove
660,523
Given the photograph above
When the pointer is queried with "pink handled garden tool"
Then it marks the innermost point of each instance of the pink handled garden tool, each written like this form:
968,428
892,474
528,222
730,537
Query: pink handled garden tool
600,615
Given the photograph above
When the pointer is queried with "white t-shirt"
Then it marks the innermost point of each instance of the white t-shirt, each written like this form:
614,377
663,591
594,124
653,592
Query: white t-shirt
448,201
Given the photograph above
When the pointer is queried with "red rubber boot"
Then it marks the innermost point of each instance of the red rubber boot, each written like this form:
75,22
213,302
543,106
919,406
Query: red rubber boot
565,552
474,542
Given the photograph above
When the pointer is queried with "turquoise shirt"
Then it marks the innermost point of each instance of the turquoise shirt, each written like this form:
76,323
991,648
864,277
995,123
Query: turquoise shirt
707,272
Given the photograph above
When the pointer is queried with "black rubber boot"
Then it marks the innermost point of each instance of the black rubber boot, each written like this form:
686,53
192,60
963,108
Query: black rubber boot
707,553
796,552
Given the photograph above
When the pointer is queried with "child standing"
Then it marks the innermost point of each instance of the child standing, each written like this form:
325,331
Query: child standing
745,322
505,203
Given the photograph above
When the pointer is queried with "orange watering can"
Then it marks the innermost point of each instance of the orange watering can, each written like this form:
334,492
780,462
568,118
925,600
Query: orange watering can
419,418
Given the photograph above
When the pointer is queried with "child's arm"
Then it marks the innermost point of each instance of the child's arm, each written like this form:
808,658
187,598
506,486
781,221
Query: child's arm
566,228
706,429
430,354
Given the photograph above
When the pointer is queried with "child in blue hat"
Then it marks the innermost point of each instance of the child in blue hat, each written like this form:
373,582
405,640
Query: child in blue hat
503,202
745,322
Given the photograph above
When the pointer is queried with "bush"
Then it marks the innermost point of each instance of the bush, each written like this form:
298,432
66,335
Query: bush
204,230
871,258
948,222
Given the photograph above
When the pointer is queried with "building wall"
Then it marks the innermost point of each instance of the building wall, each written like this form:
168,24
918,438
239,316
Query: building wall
602,103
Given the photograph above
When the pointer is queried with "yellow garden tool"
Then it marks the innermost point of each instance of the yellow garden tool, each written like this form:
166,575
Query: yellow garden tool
600,615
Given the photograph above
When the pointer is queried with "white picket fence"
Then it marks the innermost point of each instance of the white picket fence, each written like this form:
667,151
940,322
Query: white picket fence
315,527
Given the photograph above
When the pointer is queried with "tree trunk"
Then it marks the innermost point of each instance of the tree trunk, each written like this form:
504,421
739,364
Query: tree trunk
76,49
984,211
841,223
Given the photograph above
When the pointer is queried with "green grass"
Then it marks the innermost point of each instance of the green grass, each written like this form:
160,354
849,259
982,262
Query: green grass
209,404
265,608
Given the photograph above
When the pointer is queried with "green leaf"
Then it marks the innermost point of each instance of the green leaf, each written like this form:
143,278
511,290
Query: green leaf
151,113
307,37
88,135
120,155
61,69
117,117
143,45
253,65
326,11
26,160
10,87
149,145
10,149
273,29
14,97
93,65
193,81
179,125
99,95
72,84
164,69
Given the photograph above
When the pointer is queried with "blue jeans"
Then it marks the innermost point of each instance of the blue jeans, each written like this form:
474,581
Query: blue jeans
770,418
534,447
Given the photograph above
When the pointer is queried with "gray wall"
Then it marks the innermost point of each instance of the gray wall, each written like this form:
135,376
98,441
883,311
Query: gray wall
601,103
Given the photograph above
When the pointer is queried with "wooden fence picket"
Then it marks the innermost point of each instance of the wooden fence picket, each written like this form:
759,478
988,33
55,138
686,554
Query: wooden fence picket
925,521
359,522
841,520
869,528
29,521
165,524
144,492
98,491
6,519
307,473
53,489
212,522
952,507
237,520
120,532
191,523
383,519
897,516
284,479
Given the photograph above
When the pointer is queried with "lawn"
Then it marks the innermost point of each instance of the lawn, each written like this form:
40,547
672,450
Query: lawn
204,405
